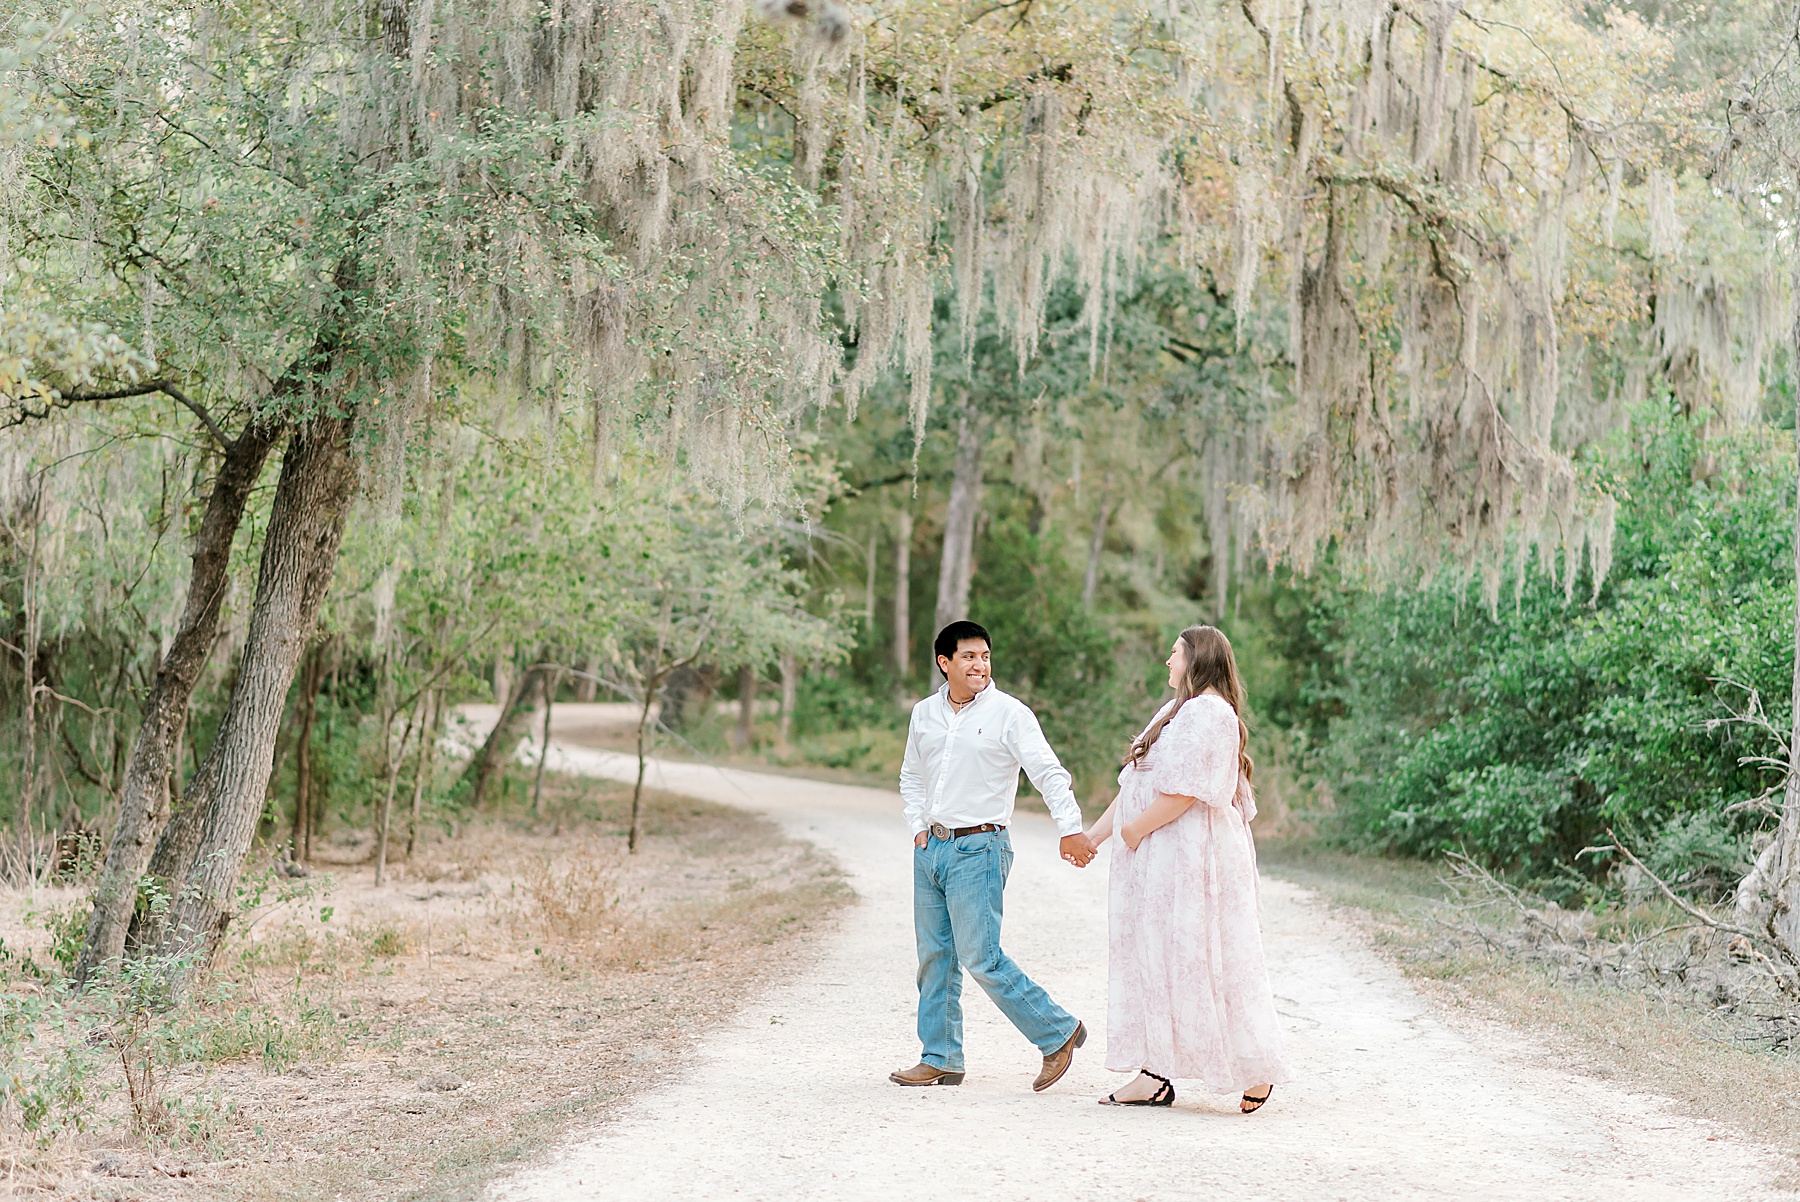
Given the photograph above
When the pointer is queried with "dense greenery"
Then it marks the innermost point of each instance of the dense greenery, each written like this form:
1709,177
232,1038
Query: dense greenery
1524,733
1419,720
1071,443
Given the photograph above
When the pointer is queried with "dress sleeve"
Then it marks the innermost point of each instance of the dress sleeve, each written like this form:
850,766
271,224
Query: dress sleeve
1197,754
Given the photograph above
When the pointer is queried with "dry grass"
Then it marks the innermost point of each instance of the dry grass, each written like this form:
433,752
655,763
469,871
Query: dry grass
1634,1039
510,984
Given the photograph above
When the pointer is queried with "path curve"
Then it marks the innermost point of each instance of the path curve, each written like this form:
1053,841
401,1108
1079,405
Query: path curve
790,1101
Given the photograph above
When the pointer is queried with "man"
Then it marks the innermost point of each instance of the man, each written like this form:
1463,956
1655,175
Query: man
964,750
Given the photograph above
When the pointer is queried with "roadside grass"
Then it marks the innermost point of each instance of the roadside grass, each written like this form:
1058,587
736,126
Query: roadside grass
407,1042
1634,1039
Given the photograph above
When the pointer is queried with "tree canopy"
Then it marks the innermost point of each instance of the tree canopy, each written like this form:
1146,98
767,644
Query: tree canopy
626,340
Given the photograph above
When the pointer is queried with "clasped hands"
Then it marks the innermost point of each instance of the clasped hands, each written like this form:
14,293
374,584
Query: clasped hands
1081,849
1078,849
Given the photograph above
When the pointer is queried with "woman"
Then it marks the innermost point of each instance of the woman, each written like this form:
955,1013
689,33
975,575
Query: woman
1189,994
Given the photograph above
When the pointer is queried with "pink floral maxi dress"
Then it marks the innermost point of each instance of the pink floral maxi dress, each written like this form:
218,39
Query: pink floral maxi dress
1189,994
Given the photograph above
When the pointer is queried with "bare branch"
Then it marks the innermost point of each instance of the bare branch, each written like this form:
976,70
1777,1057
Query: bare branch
198,411
1689,908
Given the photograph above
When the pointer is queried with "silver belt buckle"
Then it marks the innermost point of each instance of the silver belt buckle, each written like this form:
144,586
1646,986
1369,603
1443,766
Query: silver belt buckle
940,831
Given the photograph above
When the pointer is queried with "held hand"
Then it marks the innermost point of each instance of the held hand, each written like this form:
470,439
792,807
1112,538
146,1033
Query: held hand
1077,849
920,839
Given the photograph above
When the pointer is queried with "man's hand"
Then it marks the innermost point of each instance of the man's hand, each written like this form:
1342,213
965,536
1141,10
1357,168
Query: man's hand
1077,849
920,839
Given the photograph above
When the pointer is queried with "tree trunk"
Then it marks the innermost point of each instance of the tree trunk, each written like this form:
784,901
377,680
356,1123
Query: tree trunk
956,570
144,800
504,736
585,683
1091,580
652,684
1769,896
311,680
790,682
427,746
746,706
503,676
903,594
28,775
393,782
537,784
1782,884
868,616
300,548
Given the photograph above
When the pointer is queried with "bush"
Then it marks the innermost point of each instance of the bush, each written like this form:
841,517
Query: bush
827,702
47,1068
1523,734
67,928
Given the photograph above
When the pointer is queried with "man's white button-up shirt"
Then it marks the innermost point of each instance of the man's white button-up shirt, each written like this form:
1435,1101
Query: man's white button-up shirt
962,769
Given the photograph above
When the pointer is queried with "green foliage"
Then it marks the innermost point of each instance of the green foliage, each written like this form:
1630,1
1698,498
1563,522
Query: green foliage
66,926
1056,656
1523,734
829,702
47,1067
1072,439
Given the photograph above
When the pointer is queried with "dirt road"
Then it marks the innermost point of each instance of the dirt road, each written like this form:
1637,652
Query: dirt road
791,1101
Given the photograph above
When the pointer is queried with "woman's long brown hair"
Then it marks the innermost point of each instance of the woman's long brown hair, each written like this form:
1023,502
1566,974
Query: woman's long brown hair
1210,665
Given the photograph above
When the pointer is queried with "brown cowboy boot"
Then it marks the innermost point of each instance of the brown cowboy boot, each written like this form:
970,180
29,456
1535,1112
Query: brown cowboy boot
925,1074
1057,1063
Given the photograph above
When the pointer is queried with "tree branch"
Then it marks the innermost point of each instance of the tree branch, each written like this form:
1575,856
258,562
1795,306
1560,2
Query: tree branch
198,411
1687,907
65,400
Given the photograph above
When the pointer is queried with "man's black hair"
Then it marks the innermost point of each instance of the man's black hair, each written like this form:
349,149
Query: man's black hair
956,632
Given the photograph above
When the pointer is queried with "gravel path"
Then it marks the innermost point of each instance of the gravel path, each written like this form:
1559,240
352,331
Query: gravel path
791,1101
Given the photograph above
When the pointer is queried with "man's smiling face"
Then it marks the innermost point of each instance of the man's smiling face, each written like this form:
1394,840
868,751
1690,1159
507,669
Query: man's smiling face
969,669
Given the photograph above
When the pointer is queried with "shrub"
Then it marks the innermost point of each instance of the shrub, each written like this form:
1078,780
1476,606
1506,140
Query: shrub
1522,734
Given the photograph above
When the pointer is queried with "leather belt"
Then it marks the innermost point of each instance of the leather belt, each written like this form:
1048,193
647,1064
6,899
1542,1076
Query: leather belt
940,831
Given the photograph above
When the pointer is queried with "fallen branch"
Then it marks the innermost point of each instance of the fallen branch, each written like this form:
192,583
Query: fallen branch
1681,903
1784,976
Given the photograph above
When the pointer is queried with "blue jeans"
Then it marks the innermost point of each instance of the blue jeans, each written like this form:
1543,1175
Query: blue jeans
957,894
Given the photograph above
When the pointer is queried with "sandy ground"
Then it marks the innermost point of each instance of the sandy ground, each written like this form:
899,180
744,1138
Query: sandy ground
791,1101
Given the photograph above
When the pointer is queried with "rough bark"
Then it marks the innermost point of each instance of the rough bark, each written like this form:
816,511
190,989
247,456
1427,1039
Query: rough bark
903,594
144,799
501,740
956,569
300,549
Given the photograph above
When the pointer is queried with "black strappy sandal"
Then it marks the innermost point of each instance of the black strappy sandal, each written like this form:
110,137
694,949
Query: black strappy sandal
1164,1095
1255,1104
